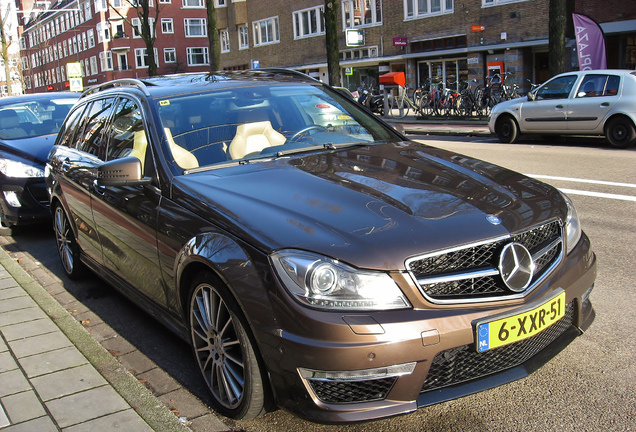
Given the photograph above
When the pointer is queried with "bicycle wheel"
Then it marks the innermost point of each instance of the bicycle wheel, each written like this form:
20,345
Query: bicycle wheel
426,107
398,107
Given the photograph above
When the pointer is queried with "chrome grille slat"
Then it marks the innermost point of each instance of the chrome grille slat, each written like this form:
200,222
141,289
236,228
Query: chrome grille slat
470,274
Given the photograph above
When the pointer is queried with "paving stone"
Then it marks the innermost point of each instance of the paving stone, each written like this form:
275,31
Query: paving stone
102,331
8,293
87,405
16,303
160,382
118,346
28,329
39,344
52,361
13,382
208,423
136,362
7,362
42,424
4,420
66,382
22,315
185,403
8,283
23,406
127,420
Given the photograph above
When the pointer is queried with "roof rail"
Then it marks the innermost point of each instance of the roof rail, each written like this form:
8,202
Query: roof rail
123,82
284,71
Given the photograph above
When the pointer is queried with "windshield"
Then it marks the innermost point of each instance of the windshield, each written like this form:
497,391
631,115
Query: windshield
33,118
248,123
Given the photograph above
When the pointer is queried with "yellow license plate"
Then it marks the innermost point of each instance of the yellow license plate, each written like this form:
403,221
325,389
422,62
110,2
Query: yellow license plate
519,326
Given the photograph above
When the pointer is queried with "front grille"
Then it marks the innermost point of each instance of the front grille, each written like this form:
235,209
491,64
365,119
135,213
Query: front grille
470,273
336,392
462,364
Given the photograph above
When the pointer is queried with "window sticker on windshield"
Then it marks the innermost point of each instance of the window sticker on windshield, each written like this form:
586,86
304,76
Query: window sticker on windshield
164,103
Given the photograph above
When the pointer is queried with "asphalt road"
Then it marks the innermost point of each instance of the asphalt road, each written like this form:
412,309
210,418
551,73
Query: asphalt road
588,387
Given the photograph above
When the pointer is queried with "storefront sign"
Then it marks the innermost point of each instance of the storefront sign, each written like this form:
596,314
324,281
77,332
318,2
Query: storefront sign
400,41
472,60
477,28
354,37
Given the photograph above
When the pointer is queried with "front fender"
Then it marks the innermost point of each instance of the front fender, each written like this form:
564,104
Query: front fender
243,270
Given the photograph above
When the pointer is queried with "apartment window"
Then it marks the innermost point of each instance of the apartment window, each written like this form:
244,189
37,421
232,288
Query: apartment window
118,29
101,5
498,2
219,3
91,38
309,22
165,1
357,13
167,26
170,55
266,31
84,42
25,63
103,32
136,24
106,58
198,56
224,40
87,12
422,8
93,65
141,57
193,3
122,60
195,27
23,43
243,35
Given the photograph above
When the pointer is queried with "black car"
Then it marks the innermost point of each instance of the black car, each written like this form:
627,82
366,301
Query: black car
322,263
28,128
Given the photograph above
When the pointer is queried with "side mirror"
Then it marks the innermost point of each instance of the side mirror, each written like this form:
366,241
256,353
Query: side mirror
121,172
531,96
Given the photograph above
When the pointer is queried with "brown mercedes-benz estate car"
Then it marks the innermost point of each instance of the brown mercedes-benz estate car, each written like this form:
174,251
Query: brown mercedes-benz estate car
333,268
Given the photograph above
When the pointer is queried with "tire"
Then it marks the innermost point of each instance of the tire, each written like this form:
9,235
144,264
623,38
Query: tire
620,132
224,351
67,247
507,130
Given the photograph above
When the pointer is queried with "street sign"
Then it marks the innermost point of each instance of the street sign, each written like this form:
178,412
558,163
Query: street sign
75,84
349,71
74,70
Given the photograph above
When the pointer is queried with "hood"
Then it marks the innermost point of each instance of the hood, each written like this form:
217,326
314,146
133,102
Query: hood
371,207
34,149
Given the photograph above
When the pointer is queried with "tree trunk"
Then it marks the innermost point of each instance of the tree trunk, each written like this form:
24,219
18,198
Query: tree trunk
213,38
331,37
557,27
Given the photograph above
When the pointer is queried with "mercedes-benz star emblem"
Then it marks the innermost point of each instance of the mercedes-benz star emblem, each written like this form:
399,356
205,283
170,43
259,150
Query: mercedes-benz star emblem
516,267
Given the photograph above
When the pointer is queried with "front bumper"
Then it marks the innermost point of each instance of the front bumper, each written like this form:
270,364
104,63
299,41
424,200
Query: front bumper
353,356
23,201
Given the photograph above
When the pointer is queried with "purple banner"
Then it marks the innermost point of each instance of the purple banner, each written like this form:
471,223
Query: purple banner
590,43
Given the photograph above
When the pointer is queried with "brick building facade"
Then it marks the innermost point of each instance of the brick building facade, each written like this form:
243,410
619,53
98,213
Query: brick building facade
436,40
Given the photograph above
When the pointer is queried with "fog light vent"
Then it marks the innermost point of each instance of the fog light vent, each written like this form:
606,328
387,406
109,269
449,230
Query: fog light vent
335,392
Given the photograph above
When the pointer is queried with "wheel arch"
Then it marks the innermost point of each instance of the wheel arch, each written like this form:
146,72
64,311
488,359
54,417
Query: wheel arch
504,115
626,116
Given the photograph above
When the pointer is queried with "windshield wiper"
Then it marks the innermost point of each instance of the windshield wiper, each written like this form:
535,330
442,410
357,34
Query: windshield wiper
325,146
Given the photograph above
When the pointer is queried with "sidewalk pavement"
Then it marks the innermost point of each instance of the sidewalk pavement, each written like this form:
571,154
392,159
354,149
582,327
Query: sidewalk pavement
55,376
415,125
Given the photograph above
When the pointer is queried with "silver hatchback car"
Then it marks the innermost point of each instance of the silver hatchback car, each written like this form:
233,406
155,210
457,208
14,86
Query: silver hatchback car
594,102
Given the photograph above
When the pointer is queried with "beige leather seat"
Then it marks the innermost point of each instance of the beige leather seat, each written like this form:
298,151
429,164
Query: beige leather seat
182,157
140,144
253,138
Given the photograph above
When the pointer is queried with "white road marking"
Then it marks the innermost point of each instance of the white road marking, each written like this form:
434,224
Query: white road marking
598,182
598,194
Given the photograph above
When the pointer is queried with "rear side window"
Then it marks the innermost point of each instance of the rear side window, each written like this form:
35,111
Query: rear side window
598,85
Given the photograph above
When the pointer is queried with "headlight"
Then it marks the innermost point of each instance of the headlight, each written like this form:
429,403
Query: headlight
325,283
572,225
11,168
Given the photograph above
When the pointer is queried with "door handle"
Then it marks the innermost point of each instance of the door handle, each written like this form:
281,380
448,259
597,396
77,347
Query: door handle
605,104
66,164
559,106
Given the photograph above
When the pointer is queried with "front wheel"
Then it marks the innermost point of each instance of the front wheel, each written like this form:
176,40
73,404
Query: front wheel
224,351
507,130
620,132
67,246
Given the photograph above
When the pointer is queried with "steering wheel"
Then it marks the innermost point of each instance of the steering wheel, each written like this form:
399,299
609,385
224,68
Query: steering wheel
298,134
